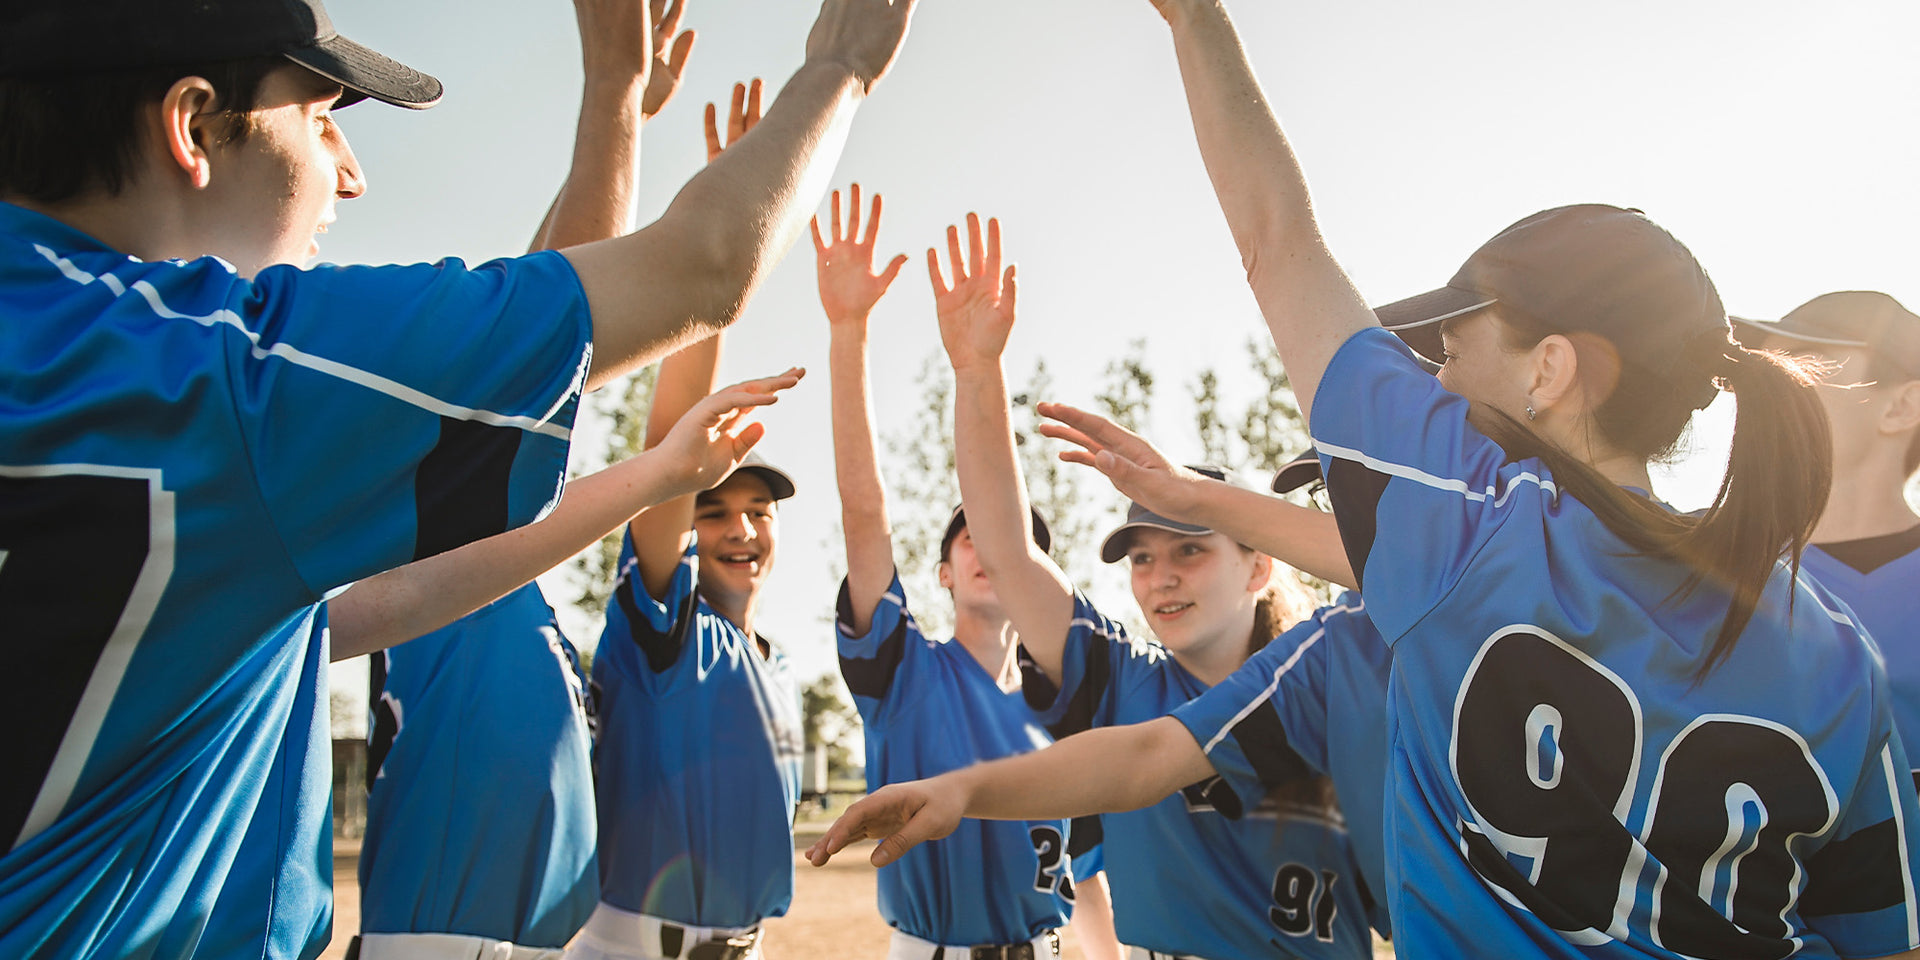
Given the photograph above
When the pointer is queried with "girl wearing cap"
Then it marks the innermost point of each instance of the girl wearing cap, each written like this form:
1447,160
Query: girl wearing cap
1616,730
930,707
1205,871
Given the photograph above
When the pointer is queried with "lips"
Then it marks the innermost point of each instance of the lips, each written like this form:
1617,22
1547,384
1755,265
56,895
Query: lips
1167,611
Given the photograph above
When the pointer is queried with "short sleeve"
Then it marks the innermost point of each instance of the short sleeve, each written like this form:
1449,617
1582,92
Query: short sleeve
392,413
1398,454
1860,885
870,662
1077,701
1257,724
660,627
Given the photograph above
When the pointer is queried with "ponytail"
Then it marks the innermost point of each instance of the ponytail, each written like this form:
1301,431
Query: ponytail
1775,488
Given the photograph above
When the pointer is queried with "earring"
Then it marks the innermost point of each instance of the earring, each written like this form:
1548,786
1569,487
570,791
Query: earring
1529,411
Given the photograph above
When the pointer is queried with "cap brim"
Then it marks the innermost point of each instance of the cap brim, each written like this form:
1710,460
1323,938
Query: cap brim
779,485
365,73
1297,473
1752,334
1115,545
1042,536
1416,320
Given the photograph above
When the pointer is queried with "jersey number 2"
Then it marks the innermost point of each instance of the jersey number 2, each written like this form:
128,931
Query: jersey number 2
1055,873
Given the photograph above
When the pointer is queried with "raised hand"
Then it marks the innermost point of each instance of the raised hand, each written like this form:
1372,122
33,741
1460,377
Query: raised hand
670,54
976,312
901,815
617,39
862,35
1135,467
848,286
741,117
710,440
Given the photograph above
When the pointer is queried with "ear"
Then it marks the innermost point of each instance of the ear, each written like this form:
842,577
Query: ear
1902,412
1553,374
945,573
186,113
1262,573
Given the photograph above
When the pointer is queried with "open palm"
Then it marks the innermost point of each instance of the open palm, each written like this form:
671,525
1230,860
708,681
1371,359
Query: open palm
976,312
848,285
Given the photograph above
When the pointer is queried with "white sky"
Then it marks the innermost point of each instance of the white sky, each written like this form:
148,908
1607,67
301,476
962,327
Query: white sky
1777,139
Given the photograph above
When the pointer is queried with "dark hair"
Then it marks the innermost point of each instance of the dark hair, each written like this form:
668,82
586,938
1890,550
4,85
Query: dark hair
1777,476
1282,604
61,137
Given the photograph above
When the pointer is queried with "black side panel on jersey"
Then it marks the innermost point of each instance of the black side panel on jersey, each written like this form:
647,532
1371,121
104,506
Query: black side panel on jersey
71,550
460,487
1093,689
1856,875
870,677
386,725
1264,740
1085,834
661,649
1036,687
1355,492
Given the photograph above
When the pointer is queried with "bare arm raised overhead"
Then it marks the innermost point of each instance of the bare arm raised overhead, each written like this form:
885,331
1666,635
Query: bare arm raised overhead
692,271
849,288
976,315
1310,306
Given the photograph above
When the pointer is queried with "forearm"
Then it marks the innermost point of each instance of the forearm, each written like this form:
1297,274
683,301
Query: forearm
660,535
1301,537
863,498
1037,597
1105,770
596,202
693,270
426,595
1310,306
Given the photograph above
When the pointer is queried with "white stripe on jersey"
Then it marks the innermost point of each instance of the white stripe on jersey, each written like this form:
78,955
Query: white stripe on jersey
1426,479
83,728
1900,830
1282,671
399,391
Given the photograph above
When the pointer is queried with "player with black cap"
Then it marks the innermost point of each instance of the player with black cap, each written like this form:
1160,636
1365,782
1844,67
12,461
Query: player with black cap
1866,547
203,440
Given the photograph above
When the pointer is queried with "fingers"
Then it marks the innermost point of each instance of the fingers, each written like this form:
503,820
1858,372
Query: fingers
666,17
737,113
1009,288
819,245
992,266
953,256
873,221
853,213
917,830
893,270
682,50
753,105
713,133
744,440
974,254
940,288
1070,435
837,234
1091,424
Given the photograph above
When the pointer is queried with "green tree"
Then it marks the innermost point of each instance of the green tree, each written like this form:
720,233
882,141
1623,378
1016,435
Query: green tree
829,719
624,405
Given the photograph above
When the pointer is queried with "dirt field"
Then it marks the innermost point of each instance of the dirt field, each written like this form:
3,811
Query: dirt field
832,917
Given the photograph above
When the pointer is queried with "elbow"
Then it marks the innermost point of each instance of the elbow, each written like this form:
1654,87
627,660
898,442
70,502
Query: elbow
1003,565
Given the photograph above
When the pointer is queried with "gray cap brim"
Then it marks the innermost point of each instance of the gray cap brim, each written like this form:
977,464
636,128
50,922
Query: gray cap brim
365,73
1417,319
1115,545
1297,473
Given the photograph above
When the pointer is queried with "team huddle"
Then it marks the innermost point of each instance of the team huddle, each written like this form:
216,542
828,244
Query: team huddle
1548,714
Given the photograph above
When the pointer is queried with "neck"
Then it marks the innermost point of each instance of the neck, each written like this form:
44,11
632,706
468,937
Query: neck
1213,662
1868,500
136,221
737,610
991,639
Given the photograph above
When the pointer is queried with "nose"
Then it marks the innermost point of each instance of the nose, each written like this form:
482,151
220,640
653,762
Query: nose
740,528
352,182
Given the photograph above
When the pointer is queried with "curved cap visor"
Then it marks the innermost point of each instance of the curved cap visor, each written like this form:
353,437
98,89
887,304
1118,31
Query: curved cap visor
1417,319
1862,319
778,483
1297,473
365,73
1042,536
1115,545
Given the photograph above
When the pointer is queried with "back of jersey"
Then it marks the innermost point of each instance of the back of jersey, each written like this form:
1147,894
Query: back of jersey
189,459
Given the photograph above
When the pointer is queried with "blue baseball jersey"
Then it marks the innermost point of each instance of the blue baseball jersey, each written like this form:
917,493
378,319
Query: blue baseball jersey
698,760
1206,872
928,708
1886,601
1320,691
192,460
480,797
1564,784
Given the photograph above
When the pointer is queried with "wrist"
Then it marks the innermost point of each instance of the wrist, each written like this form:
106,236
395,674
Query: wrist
977,368
613,86
837,70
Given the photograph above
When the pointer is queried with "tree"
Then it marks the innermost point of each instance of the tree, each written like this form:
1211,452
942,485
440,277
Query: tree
624,405
828,719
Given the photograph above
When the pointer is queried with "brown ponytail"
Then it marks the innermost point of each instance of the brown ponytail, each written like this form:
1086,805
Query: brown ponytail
1775,488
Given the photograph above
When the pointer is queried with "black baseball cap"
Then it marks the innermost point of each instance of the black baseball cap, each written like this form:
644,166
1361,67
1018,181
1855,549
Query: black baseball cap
1589,268
1115,545
1297,473
56,38
1850,318
958,522
778,483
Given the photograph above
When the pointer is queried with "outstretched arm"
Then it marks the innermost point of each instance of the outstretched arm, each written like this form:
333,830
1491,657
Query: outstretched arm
1104,770
632,61
1301,537
691,272
976,316
426,595
1310,306
661,535
848,291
